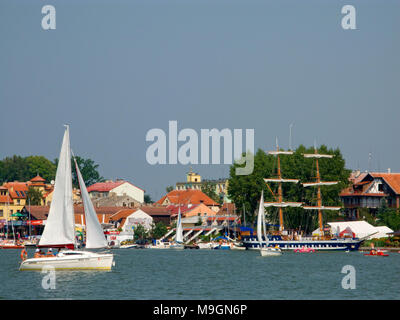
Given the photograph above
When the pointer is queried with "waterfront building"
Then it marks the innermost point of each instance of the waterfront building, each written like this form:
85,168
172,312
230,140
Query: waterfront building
119,188
368,189
188,197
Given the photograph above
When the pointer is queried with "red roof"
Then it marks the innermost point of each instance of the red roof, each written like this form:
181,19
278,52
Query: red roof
108,186
38,179
104,186
188,196
392,179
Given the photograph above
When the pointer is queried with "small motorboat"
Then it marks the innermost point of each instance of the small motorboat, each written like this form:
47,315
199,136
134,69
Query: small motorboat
191,246
270,252
11,245
376,253
304,249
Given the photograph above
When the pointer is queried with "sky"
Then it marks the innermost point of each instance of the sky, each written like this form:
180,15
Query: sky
114,70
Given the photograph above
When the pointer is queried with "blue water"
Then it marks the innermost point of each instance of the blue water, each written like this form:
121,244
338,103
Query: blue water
210,274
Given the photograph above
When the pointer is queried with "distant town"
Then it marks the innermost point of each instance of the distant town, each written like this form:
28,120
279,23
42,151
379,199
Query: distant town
121,206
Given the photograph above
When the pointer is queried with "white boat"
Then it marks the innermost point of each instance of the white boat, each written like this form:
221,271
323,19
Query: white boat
205,245
178,244
59,231
264,251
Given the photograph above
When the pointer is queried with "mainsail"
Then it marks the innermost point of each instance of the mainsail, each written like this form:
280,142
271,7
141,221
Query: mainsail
94,233
60,225
179,230
261,220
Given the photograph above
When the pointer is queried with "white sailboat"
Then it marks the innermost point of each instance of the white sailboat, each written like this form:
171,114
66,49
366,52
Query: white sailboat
264,251
179,233
59,231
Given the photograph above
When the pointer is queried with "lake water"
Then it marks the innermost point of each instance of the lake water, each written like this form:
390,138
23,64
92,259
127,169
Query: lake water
210,274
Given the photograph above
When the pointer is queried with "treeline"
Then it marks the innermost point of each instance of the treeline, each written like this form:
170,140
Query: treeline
245,190
17,168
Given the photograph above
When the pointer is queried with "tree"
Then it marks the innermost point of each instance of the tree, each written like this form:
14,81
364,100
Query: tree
89,172
39,165
14,168
389,217
245,190
35,196
158,230
147,199
169,189
209,189
140,232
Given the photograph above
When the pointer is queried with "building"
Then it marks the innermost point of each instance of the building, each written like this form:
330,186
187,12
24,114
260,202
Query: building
115,201
119,188
194,181
14,196
188,197
368,189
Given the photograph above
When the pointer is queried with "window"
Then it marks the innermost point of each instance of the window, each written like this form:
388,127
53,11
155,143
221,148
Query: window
17,193
1,213
380,187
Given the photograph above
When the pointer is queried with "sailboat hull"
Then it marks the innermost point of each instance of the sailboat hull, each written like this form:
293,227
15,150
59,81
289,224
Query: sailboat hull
71,260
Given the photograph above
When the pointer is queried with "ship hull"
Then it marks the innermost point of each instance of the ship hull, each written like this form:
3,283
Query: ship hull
251,243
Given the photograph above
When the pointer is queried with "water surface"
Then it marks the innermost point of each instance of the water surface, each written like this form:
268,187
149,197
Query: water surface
210,274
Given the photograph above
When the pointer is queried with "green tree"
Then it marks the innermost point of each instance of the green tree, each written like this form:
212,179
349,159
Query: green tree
147,199
88,169
39,165
389,217
209,189
169,189
158,230
140,232
14,168
245,190
34,196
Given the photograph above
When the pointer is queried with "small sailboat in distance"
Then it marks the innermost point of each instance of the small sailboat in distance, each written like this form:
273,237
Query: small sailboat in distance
59,231
264,251
179,233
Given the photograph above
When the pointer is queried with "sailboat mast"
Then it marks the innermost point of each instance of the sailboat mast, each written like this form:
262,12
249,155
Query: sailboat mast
280,192
319,198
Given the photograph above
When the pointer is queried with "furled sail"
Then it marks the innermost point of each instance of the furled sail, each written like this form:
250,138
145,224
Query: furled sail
260,220
60,225
94,233
179,230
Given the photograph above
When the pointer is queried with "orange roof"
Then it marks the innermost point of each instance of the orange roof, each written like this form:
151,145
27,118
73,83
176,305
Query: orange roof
392,179
188,196
37,179
16,187
6,199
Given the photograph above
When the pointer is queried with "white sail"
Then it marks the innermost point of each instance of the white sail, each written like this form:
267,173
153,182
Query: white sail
280,152
283,204
326,183
316,155
281,180
94,233
179,229
60,224
260,219
321,208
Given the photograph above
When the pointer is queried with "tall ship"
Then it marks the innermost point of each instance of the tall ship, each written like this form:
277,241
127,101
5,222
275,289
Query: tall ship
324,241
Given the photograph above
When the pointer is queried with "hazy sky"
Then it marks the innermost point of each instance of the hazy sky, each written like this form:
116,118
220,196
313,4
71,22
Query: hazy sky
115,69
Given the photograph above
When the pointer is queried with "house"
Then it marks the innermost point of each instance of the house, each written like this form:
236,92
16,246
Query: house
114,200
119,188
194,181
14,195
188,197
368,189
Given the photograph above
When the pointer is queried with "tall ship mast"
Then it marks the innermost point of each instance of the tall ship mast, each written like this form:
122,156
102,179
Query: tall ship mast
280,203
318,183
